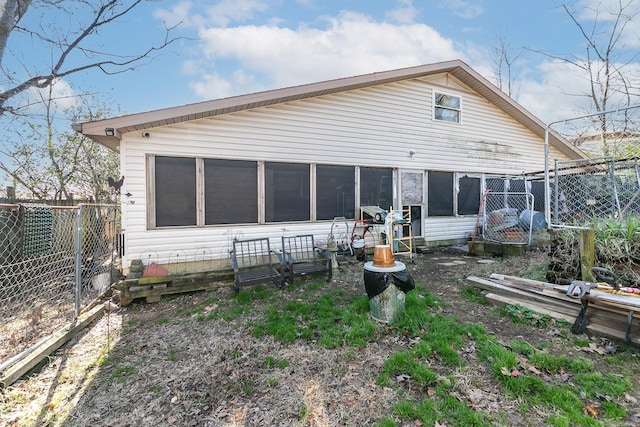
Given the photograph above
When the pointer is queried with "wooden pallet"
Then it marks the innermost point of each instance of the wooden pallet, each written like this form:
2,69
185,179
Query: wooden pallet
153,288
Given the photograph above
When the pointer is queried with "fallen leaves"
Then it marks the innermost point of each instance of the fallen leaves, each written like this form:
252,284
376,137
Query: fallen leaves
593,409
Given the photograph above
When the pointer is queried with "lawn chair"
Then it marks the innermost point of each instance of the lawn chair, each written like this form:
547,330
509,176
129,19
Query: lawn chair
300,256
253,263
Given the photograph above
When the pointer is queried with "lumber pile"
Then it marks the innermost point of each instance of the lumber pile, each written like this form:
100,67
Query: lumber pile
605,314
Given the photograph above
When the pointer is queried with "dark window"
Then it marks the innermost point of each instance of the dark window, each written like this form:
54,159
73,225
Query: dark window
175,184
230,192
468,195
440,194
376,187
335,192
286,192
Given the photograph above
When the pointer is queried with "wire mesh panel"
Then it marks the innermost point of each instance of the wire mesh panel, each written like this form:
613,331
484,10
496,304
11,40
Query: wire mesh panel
37,262
584,190
98,255
508,217
53,262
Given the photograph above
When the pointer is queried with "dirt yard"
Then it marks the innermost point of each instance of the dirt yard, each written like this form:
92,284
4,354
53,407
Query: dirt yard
168,366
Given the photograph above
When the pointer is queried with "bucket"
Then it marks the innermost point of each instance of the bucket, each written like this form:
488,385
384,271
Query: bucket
388,305
533,218
386,288
382,256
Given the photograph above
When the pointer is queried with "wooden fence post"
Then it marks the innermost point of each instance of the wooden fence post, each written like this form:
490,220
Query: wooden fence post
587,254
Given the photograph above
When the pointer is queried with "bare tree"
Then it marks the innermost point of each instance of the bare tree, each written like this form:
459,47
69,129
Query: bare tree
49,161
63,44
607,62
504,60
39,156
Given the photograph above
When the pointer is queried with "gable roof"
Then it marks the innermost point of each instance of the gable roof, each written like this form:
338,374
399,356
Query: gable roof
150,119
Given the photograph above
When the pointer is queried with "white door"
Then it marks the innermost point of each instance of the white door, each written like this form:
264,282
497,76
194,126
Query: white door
411,193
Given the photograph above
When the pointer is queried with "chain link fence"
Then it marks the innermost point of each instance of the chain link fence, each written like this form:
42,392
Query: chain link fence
586,190
607,184
54,261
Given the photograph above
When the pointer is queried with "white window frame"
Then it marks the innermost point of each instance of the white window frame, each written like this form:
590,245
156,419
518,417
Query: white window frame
436,107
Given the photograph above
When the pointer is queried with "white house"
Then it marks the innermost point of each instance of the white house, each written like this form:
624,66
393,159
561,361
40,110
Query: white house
288,161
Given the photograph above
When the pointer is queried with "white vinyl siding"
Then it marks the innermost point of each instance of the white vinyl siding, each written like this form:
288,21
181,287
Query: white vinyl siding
376,127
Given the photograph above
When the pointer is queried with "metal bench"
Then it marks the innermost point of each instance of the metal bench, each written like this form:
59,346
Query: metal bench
300,257
253,263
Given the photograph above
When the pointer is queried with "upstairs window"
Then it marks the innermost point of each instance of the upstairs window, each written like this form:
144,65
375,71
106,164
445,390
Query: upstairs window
446,108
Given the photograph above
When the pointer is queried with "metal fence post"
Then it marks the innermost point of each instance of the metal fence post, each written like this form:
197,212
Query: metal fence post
78,268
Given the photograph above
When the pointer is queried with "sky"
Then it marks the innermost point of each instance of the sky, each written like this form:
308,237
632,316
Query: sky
244,46
234,47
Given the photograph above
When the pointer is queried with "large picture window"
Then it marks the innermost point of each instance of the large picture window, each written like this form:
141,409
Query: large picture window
335,192
440,194
469,195
446,108
286,192
175,191
376,187
230,192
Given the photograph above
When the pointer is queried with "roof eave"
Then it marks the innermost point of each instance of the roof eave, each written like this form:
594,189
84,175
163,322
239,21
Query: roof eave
458,69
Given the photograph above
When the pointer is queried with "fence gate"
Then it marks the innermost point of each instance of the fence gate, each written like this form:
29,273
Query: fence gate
508,217
54,261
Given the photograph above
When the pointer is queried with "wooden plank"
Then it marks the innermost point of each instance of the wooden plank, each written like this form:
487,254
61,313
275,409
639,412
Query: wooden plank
57,339
604,313
621,301
503,300
508,287
528,282
594,328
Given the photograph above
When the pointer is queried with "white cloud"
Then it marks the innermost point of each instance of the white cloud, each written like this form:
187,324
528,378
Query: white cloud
62,97
179,14
227,11
349,44
466,9
405,13
213,86
606,12
557,93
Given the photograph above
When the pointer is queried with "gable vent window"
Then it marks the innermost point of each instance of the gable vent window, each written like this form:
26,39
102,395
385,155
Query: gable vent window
446,108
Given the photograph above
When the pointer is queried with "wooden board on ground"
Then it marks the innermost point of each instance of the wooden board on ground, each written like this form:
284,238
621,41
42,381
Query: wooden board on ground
593,327
57,339
607,314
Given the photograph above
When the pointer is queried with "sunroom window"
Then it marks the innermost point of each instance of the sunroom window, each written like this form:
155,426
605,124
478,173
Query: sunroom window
175,195
446,108
286,192
230,192
335,192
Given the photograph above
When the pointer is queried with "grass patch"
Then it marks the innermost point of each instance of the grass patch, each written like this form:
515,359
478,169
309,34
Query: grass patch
332,320
473,294
522,315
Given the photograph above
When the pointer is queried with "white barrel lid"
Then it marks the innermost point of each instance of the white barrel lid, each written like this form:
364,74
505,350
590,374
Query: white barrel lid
398,266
